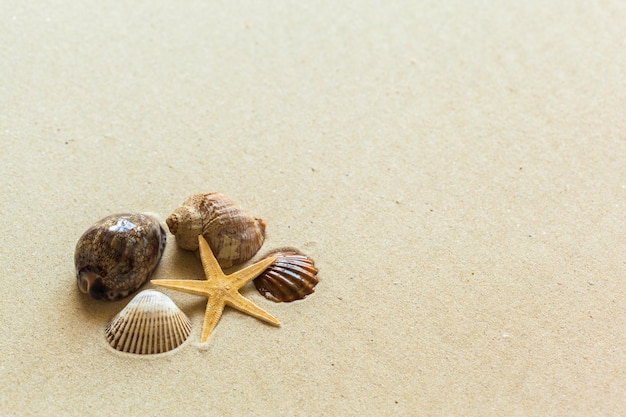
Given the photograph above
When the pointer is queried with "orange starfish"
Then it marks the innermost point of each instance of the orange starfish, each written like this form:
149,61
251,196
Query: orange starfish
220,289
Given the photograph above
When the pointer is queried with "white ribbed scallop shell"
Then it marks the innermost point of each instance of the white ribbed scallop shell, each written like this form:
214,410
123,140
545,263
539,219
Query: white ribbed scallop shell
150,323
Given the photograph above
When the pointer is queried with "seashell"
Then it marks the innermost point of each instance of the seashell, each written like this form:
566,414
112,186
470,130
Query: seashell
233,235
292,276
150,323
116,255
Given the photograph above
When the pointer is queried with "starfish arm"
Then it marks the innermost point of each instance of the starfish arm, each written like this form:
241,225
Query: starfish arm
246,306
213,313
241,278
190,286
209,263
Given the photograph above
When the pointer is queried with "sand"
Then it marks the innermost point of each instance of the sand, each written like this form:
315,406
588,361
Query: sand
456,170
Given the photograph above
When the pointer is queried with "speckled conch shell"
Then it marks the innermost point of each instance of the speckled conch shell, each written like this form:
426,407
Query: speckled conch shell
116,255
151,323
292,276
233,235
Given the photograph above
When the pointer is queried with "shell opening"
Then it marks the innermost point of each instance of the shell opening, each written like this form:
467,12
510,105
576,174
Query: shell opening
86,280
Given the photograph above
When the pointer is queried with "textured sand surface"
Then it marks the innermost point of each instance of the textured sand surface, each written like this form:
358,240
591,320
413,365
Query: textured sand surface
456,169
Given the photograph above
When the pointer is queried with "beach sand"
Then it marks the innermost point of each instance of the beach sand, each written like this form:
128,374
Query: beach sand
456,171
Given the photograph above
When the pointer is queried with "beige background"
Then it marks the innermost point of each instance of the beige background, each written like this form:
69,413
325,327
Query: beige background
456,169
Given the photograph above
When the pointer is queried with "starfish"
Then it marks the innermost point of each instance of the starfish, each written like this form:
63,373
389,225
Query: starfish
220,289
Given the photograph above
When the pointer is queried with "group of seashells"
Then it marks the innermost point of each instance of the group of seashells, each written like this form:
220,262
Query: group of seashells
119,253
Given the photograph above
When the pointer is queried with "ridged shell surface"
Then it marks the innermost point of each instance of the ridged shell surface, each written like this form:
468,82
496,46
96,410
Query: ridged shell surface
116,255
292,276
151,323
233,235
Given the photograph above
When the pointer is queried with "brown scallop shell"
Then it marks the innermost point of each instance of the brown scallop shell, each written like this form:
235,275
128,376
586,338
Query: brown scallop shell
292,276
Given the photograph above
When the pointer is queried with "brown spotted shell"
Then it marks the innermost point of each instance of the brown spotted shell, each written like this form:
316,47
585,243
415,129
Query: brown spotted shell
151,323
116,255
292,276
233,235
